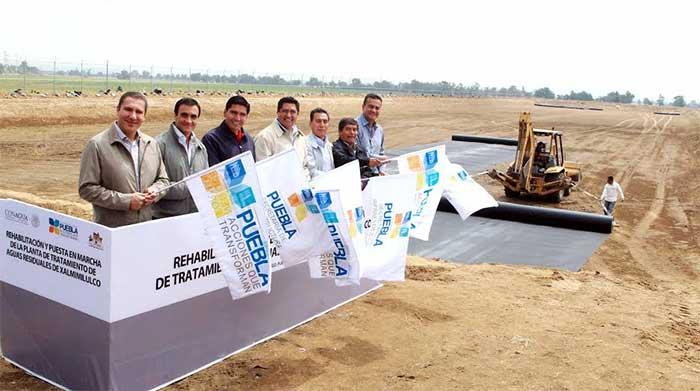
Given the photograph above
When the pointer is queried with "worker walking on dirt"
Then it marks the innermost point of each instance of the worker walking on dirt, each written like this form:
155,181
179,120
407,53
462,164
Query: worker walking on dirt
611,191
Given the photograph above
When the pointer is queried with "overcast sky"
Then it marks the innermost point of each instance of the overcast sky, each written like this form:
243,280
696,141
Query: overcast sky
598,46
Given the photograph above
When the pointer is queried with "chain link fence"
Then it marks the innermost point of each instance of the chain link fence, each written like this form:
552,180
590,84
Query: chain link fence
22,77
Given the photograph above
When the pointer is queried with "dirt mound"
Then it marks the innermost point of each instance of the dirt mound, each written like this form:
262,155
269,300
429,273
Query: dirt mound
82,210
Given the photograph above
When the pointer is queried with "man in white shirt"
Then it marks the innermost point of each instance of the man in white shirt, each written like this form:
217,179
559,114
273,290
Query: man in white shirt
611,191
319,150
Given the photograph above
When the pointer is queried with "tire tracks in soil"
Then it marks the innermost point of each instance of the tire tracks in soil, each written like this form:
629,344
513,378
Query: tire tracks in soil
657,160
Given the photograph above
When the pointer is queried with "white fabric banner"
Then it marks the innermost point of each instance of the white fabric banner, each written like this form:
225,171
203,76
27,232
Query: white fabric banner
230,202
343,263
427,164
346,180
60,257
297,229
464,193
388,204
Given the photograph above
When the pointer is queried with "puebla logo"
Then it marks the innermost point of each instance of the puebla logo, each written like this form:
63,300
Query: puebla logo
61,229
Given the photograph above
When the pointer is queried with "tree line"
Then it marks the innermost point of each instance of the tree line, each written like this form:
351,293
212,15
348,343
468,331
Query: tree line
414,86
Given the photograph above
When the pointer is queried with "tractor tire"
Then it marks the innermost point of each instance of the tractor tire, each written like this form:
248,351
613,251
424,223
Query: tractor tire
558,196
511,193
577,178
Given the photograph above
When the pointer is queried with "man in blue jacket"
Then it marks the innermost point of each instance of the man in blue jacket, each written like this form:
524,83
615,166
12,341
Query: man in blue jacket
229,138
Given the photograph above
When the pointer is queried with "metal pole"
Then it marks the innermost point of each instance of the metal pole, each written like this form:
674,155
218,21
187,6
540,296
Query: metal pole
129,77
171,79
24,85
81,76
54,76
151,78
107,77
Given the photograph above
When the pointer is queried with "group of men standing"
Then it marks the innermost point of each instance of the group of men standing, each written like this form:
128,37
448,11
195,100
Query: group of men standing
124,172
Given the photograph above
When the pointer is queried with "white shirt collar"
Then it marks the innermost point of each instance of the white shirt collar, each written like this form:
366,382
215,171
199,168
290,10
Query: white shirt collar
122,136
181,136
318,142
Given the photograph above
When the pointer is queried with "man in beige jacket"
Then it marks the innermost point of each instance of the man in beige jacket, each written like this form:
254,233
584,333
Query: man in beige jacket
121,169
282,134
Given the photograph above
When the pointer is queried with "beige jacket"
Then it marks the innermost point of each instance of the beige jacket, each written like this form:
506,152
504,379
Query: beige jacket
108,180
273,140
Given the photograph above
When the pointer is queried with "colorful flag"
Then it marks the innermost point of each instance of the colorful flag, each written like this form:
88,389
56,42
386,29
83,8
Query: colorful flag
342,263
346,180
388,203
229,200
297,229
427,164
464,193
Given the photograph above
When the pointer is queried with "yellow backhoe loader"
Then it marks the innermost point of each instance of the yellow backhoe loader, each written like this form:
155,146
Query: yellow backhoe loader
539,167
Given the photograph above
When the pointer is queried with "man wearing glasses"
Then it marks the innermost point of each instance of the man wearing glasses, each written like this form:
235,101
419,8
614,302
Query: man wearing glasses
282,134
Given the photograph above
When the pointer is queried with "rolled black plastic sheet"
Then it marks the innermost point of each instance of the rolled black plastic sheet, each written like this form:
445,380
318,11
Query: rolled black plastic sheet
485,140
558,218
569,107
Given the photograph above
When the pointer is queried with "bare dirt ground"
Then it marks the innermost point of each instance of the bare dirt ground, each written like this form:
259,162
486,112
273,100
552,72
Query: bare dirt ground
629,321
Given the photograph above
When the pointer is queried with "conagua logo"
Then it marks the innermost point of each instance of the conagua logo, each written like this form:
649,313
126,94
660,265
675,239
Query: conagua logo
61,229
95,240
17,217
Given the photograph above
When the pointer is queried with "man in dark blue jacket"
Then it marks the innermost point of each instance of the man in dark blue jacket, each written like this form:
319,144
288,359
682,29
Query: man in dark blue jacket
230,139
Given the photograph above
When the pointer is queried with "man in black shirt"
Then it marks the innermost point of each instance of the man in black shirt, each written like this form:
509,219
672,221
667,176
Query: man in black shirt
345,149
229,139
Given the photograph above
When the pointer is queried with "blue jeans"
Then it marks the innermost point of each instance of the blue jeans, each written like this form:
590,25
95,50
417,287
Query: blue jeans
609,207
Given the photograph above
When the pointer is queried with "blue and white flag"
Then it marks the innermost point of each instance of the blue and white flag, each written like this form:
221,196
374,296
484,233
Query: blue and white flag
297,229
342,263
388,204
228,198
464,193
346,180
427,164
